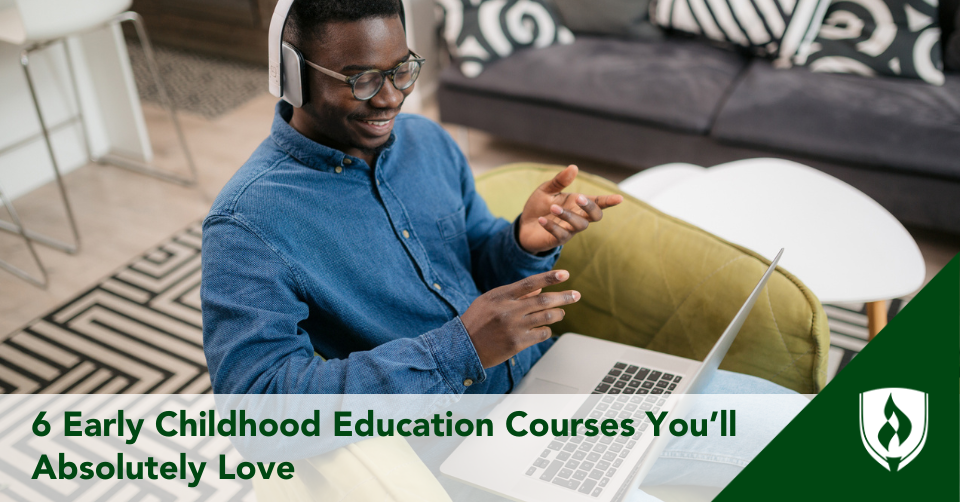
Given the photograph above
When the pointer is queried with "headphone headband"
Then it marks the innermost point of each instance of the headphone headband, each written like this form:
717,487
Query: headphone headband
275,43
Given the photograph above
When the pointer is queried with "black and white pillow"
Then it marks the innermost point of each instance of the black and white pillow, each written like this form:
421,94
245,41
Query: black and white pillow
478,32
773,28
880,37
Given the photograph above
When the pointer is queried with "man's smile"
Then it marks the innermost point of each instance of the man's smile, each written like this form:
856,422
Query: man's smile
376,126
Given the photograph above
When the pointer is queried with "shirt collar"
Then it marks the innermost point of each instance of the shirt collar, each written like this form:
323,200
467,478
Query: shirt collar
305,150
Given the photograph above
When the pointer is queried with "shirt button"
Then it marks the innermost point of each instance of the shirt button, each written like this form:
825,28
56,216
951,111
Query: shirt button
347,162
437,286
468,382
406,235
378,182
513,361
338,169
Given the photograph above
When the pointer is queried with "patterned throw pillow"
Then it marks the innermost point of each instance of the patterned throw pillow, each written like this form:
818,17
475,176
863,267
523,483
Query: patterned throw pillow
774,28
478,32
880,37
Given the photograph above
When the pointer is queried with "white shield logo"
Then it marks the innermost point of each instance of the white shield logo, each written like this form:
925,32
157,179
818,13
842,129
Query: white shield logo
893,425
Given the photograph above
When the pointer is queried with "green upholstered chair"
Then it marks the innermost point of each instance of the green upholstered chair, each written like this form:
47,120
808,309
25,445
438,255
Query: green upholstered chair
653,281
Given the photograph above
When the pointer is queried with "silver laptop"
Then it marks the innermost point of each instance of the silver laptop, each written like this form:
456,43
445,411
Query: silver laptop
619,381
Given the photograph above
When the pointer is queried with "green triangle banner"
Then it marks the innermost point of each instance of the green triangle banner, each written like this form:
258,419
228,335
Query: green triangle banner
887,427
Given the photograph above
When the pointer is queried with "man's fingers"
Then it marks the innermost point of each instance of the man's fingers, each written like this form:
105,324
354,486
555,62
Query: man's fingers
577,223
537,335
544,317
605,201
562,180
523,288
546,301
590,207
562,234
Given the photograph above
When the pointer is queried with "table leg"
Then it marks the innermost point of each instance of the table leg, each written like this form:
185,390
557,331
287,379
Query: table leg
876,317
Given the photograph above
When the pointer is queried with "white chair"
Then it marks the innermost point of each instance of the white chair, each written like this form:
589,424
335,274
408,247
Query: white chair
38,24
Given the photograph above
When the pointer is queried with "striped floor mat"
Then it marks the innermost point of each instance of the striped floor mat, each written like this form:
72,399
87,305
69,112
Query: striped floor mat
848,331
139,332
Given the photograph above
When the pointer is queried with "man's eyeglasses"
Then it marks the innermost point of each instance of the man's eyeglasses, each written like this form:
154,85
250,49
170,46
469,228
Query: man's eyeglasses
368,83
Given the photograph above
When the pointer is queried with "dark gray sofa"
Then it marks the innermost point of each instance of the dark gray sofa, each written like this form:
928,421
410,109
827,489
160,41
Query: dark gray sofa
642,104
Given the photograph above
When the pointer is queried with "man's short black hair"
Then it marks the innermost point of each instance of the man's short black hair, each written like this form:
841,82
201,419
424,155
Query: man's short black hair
308,17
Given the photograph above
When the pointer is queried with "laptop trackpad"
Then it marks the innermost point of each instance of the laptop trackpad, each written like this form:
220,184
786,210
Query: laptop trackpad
539,386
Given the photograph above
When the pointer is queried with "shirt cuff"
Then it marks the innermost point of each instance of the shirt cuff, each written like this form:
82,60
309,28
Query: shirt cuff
525,259
456,357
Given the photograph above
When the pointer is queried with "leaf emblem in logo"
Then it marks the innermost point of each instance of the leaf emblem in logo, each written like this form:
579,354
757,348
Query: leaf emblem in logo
894,425
888,431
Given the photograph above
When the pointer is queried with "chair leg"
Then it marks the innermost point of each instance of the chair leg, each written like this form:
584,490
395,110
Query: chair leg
39,238
142,167
876,317
42,280
76,96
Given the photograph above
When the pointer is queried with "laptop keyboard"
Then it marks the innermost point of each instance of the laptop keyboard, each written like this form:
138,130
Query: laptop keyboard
586,464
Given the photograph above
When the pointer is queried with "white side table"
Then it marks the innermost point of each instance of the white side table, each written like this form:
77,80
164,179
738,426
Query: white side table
842,244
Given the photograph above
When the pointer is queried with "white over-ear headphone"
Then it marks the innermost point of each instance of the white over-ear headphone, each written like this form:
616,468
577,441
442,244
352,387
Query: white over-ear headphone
286,61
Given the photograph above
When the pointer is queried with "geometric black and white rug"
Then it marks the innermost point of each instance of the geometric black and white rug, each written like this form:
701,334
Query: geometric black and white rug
139,332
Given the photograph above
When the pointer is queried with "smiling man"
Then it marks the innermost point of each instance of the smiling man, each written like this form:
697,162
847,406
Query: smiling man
355,232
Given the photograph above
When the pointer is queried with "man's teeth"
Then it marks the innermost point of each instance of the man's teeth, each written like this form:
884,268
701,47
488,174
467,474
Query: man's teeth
377,122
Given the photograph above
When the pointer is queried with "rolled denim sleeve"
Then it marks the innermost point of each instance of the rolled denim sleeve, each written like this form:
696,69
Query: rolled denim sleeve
497,258
252,303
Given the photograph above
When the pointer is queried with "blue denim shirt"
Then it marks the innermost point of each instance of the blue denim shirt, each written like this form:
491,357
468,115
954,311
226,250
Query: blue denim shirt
308,249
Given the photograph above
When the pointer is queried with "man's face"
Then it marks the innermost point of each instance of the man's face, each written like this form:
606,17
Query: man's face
336,117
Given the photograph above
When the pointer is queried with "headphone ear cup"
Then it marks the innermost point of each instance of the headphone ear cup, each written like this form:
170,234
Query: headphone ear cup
293,76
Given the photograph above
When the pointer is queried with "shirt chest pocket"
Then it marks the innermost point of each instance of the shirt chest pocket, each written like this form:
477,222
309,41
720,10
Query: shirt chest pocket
453,231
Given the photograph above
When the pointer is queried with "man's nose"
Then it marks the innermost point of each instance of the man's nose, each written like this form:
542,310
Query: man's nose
388,97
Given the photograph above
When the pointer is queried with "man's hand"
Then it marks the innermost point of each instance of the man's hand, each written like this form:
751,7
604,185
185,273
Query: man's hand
551,218
506,320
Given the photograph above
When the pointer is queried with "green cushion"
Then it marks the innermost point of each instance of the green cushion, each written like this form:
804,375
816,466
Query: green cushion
653,281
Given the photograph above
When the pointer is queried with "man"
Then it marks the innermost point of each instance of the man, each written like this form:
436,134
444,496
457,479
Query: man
356,233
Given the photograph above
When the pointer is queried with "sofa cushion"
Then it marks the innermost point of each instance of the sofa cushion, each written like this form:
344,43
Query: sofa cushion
478,32
949,13
764,28
951,50
906,125
898,38
672,83
615,18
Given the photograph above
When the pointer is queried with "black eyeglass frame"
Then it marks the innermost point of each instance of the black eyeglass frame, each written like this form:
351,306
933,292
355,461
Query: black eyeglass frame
384,75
